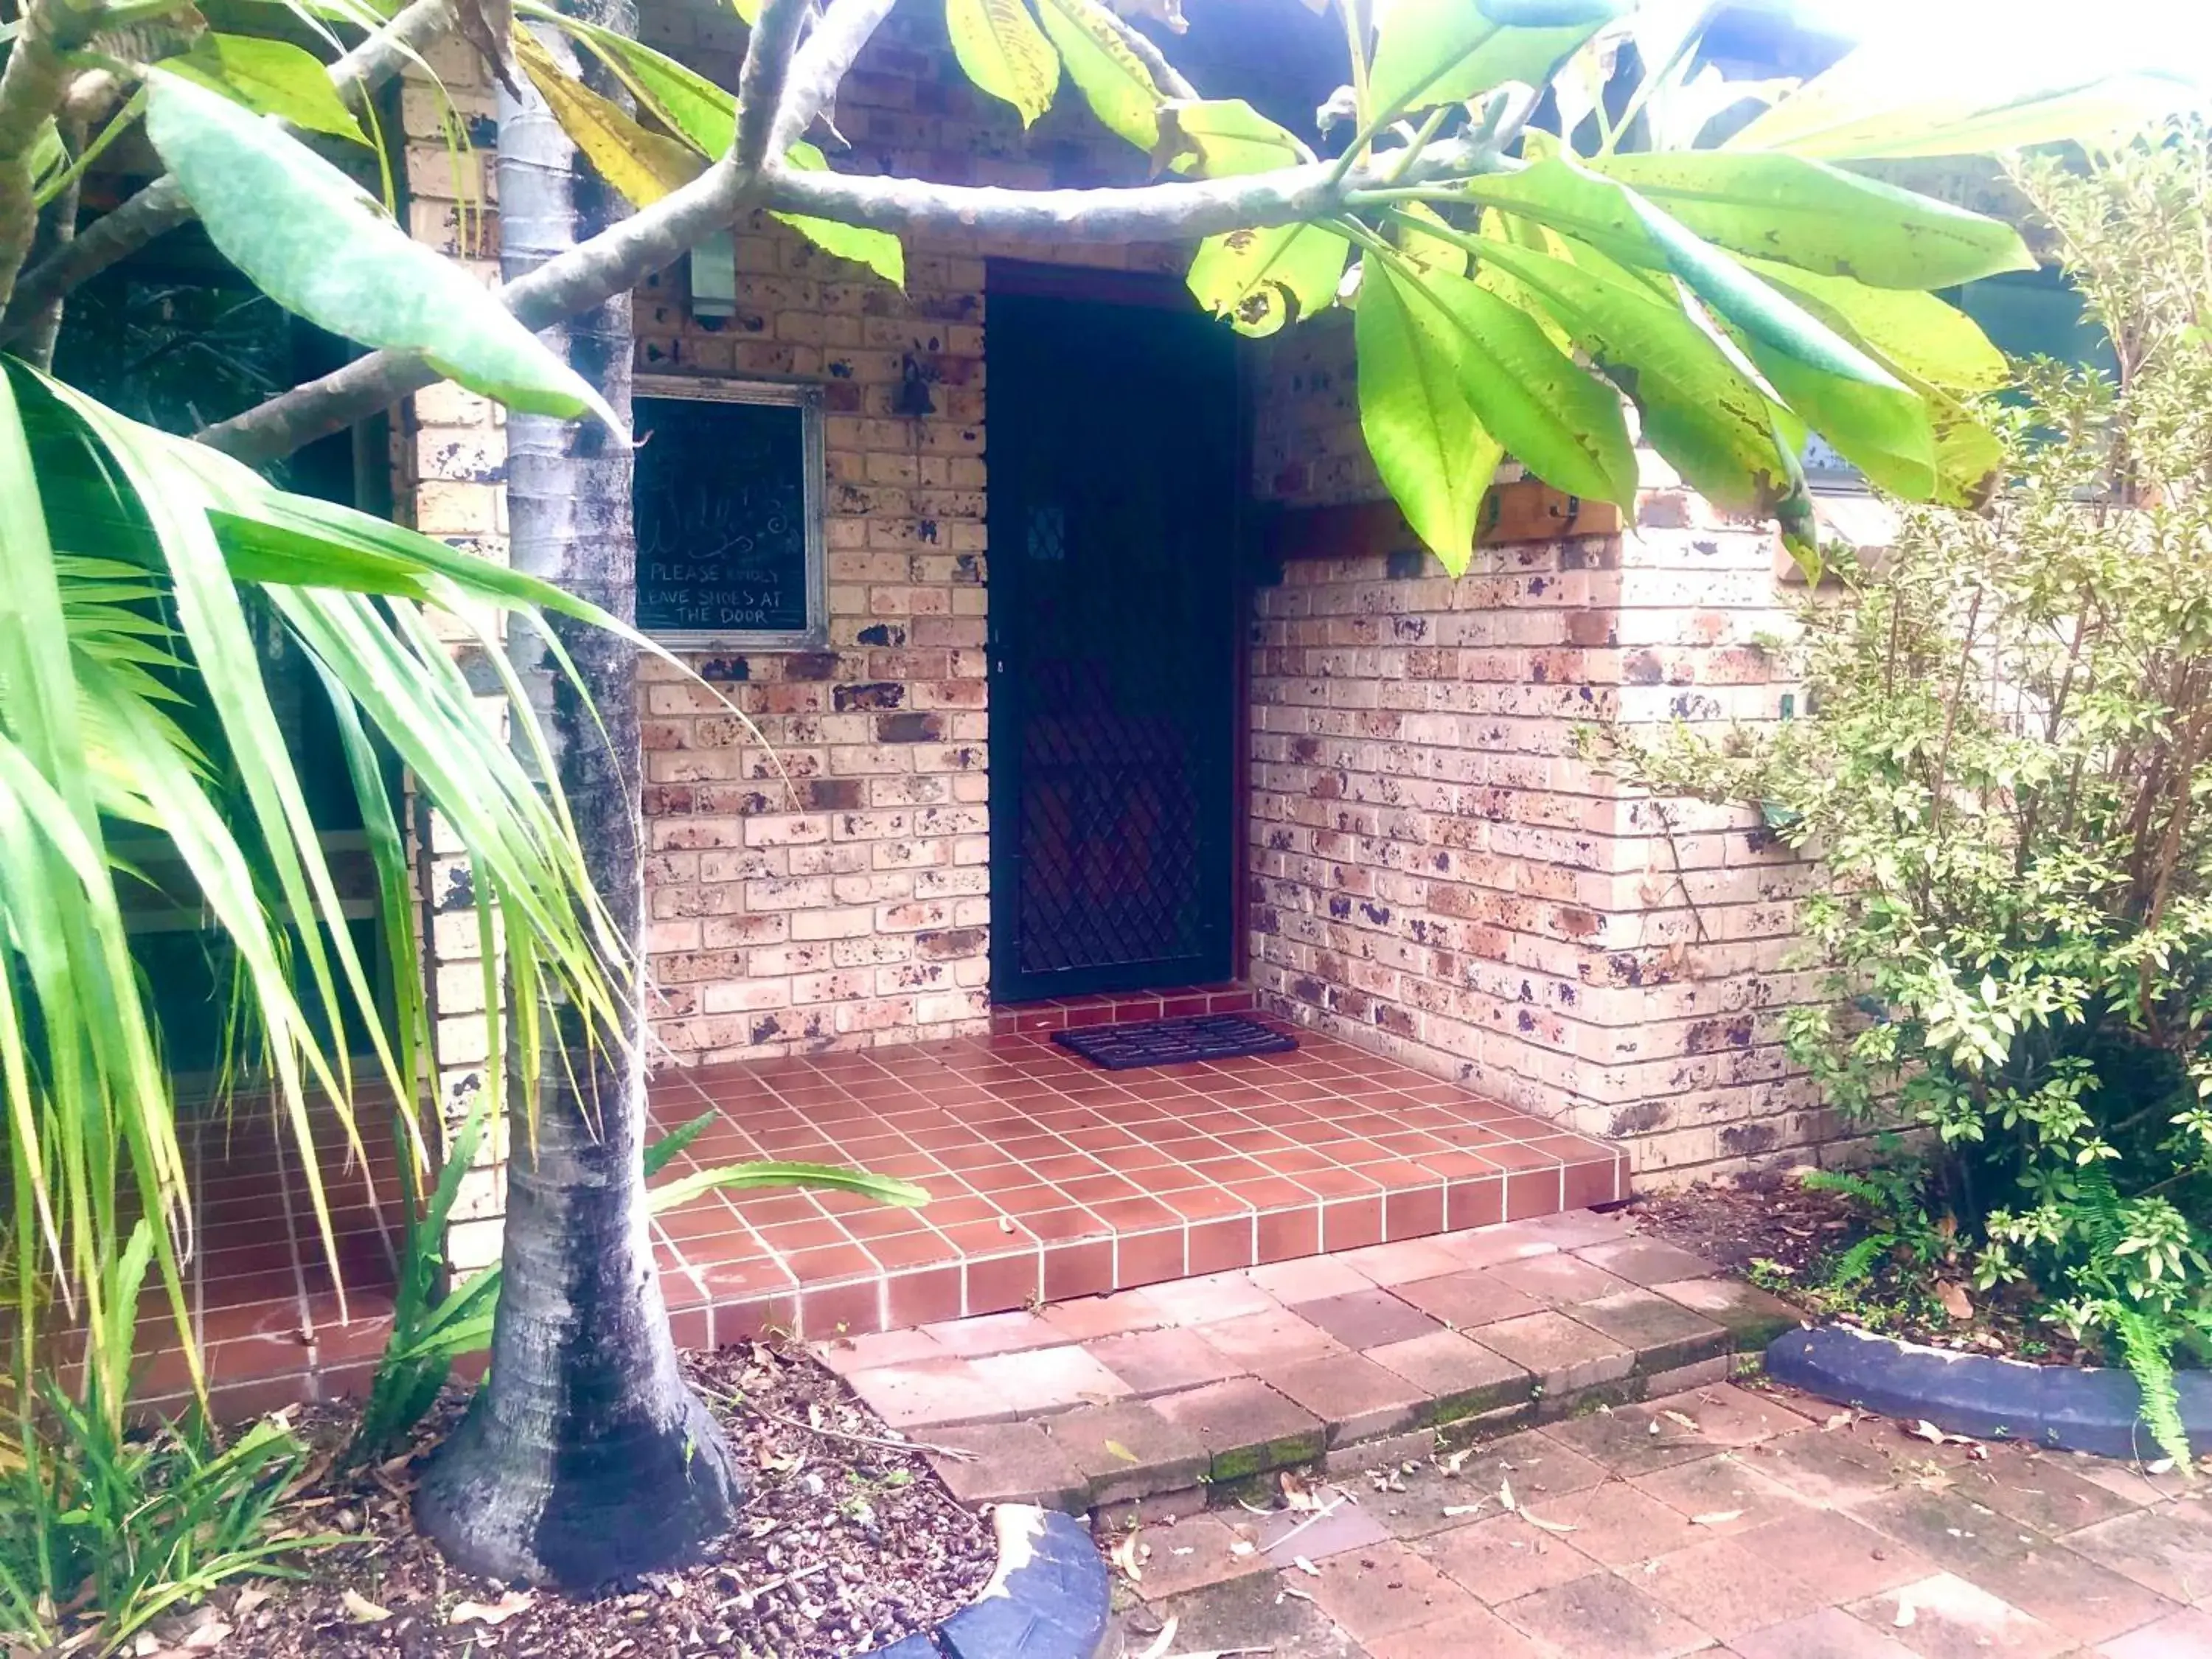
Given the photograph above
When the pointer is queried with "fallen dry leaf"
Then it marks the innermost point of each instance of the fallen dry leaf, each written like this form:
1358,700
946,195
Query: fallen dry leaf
1162,1642
1305,1566
1923,1429
1681,1420
1717,1518
361,1610
1296,1494
1115,1448
1124,1558
494,1612
246,1600
1241,1546
1453,1464
1506,1494
1956,1302
1548,1525
1840,1421
1905,1614
1463,1509
2162,1466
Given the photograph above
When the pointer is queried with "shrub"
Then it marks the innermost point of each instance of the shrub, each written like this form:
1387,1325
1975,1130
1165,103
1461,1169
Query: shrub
2006,764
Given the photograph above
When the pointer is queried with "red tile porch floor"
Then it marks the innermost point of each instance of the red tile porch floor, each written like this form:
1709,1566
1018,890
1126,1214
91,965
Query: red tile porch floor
1049,1179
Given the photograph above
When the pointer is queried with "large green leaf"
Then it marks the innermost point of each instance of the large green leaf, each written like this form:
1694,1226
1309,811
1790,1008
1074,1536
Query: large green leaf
271,77
878,250
1896,100
1821,218
1916,334
1262,280
1220,137
1004,52
682,100
317,245
1552,417
1563,194
1114,80
1884,431
1700,410
884,1189
643,166
1431,451
1439,51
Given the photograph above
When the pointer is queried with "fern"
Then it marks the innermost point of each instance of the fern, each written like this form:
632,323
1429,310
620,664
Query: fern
1856,1263
2146,1345
1851,1185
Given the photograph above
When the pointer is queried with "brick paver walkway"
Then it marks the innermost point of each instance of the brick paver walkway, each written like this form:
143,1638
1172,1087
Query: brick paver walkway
1721,1521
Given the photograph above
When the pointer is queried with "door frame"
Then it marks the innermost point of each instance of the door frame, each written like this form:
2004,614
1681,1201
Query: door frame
1158,291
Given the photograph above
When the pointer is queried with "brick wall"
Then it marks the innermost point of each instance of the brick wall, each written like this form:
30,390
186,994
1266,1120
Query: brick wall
1436,873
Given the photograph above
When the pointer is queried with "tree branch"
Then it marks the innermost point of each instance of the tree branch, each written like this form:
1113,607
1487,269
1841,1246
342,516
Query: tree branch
821,66
769,52
1170,79
161,207
33,83
626,255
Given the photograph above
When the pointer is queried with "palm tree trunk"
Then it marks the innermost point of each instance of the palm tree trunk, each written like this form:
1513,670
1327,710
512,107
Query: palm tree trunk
585,1458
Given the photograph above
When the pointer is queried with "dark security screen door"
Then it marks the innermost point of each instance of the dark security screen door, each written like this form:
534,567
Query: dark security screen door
1113,467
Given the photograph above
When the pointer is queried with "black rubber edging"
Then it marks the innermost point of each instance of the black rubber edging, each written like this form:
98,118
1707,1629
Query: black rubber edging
2063,1407
1050,1598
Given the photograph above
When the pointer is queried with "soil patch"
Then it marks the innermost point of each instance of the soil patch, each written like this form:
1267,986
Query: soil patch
843,1546
1762,1216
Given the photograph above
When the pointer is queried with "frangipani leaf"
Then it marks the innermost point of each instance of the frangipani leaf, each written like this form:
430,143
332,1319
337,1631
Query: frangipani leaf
1113,80
643,166
1440,52
1004,52
319,246
682,100
270,77
1219,137
1820,218
1551,415
1916,334
1433,454
878,250
1713,422
1262,280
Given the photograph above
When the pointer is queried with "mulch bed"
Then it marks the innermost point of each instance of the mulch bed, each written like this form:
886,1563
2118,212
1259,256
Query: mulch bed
843,1546
1765,1216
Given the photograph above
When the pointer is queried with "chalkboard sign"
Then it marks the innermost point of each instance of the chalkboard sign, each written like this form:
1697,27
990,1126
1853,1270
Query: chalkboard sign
729,514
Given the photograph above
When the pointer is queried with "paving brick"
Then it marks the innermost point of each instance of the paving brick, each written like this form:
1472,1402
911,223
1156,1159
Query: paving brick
1635,1440
1831,1466
1464,1632
2041,1490
995,1334
1503,1557
1734,1416
2090,1600
1245,1426
1012,1463
1725,1484
1278,1337
2179,1636
1382,1591
1087,1317
1344,1522
1366,1318
1726,1589
1161,1362
930,1393
1127,1451
1838,1560
1536,1465
1558,1280
1401,1261
1196,1551
1575,1229
2167,1550
1309,1279
1600,1616
1647,1261
1035,1380
1566,1357
1753,1317
1209,1298
1945,1617
1664,1334
858,1353
1831,1633
1358,1399
1614,1523
1469,1298
1459,1376
1485,1247
1947,1527
1251,1611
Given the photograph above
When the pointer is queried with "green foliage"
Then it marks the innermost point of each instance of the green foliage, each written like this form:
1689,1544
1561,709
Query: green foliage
105,1527
2004,764
433,1324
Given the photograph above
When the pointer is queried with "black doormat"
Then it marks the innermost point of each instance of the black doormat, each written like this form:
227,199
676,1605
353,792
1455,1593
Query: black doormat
1174,1042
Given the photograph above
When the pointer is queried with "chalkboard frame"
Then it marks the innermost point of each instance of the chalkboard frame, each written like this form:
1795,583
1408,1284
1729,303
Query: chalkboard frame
807,400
